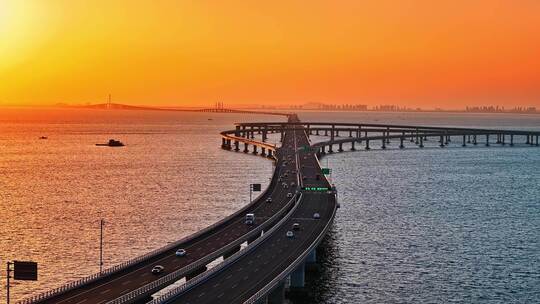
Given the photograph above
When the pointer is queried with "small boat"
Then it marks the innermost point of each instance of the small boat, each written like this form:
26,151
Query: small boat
43,137
112,143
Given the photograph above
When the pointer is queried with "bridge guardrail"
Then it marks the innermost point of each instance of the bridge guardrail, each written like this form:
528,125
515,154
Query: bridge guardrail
132,262
170,295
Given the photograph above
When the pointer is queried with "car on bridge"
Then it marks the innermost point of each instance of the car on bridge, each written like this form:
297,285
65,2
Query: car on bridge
158,269
289,234
289,195
269,200
250,219
296,226
316,216
180,252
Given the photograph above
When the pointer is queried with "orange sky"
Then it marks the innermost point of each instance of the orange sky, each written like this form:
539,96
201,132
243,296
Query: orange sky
417,53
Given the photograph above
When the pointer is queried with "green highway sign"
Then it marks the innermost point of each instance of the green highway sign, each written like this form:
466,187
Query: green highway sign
322,189
326,171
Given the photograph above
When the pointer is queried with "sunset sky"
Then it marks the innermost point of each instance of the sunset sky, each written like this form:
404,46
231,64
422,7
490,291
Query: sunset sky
417,53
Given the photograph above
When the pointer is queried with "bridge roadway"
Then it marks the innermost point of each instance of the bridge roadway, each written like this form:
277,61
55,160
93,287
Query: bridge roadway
136,276
257,268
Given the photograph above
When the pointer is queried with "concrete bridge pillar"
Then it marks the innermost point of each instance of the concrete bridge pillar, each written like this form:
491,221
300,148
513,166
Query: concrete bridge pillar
503,139
330,150
441,141
317,132
475,142
332,133
388,135
367,144
277,295
537,141
383,143
352,146
223,142
325,132
340,147
236,145
229,144
264,135
298,276
464,142
487,140
312,256
511,140
350,133
469,138
246,148
421,142
237,132
401,146
412,136
263,151
254,149
336,133
323,150
269,153
417,141
281,134
446,140
528,142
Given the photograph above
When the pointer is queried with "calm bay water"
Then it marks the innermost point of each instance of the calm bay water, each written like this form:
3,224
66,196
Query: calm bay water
433,225
453,225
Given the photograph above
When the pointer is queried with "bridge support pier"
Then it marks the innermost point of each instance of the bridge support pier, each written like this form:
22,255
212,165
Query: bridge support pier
340,149
298,276
236,144
350,133
469,138
352,146
367,144
264,135
254,149
401,146
474,140
246,150
330,148
537,140
383,143
223,143
323,152
527,142
511,140
316,132
464,140
312,256
422,141
263,151
277,295
487,140
503,139
441,141
270,153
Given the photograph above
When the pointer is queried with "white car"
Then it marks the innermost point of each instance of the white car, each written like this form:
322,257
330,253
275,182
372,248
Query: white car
289,195
296,226
269,200
289,234
180,252
316,216
157,269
